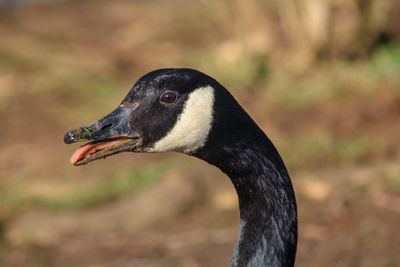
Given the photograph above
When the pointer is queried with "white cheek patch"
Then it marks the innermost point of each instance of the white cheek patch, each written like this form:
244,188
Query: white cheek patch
193,125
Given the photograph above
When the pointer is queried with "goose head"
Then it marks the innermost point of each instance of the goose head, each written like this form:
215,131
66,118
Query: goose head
186,111
166,110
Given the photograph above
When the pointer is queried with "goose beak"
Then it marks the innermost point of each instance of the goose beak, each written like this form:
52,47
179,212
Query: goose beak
108,136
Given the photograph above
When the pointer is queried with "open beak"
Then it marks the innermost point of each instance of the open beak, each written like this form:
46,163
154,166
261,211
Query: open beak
108,136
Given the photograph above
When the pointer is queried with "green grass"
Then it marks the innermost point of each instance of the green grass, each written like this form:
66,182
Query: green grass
122,183
337,82
321,148
17,63
244,71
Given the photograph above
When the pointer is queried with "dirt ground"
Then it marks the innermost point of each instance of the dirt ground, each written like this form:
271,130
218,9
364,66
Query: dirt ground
65,64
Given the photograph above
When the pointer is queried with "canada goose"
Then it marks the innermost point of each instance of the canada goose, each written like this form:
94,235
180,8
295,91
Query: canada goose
186,111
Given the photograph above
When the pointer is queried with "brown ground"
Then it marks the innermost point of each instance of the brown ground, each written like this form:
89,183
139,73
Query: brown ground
66,64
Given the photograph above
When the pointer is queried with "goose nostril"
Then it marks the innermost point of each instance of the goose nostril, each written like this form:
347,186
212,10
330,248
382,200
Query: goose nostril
105,127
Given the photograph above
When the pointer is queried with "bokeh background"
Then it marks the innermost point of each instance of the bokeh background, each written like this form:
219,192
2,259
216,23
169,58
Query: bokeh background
321,77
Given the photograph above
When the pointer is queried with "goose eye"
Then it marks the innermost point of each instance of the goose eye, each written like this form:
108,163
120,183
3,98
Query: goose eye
168,97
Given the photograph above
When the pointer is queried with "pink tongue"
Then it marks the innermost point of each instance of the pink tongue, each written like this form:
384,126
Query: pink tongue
91,148
80,153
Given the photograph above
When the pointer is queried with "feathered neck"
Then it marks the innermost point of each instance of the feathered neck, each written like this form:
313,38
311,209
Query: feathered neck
268,214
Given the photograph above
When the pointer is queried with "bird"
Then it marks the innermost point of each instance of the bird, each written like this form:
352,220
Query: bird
184,110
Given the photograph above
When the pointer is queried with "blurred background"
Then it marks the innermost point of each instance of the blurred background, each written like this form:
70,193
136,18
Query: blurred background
321,77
